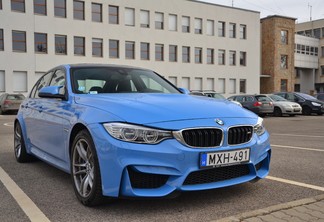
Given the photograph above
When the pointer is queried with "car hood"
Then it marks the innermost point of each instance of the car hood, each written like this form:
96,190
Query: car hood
154,108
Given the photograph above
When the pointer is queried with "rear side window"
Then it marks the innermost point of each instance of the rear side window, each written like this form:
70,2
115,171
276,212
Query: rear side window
43,81
263,99
320,96
15,97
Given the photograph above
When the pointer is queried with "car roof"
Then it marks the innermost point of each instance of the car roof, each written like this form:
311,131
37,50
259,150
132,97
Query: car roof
99,65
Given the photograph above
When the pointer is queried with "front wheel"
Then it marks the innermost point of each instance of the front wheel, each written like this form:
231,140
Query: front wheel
307,110
85,171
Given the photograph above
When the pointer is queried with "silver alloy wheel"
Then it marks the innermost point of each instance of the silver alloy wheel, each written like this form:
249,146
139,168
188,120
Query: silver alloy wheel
17,141
83,168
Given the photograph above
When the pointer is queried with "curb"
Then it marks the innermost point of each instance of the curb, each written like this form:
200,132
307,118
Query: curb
271,209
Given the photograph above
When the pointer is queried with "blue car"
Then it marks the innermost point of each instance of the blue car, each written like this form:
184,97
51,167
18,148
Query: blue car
126,131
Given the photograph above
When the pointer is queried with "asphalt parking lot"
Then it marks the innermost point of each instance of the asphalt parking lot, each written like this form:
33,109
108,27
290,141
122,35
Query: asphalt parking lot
39,192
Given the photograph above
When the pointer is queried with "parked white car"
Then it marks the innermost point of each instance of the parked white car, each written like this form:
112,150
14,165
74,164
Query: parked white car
283,106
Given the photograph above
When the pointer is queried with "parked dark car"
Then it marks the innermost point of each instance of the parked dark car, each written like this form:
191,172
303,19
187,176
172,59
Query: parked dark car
309,103
259,104
320,96
10,102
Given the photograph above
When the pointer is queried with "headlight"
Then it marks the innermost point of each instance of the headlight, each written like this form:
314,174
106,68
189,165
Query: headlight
316,104
259,128
136,134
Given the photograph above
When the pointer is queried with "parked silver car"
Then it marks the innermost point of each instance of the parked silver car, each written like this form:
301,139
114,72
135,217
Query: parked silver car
10,102
283,106
212,94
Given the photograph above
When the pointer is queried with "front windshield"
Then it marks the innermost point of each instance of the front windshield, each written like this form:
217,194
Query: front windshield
215,95
95,80
277,98
306,96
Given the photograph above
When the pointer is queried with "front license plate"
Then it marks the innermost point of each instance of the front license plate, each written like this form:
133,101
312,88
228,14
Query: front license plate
218,159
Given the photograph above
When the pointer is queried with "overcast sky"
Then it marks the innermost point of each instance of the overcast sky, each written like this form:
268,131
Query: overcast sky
292,8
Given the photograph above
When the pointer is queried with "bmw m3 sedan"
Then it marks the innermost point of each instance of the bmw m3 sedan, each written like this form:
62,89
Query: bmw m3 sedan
123,131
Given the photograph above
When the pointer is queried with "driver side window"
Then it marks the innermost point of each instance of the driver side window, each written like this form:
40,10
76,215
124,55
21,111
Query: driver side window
59,80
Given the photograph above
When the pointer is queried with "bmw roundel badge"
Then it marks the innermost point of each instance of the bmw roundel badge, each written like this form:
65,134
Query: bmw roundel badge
219,122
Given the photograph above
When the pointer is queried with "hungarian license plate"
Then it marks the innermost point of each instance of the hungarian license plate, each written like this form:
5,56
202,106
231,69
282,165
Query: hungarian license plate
218,159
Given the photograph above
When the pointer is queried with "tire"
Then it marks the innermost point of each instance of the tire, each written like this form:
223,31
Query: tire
85,171
307,111
277,112
292,115
19,146
262,115
319,114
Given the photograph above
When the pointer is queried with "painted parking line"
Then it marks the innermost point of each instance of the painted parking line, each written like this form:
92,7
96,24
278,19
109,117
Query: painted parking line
25,203
305,185
9,124
310,136
297,148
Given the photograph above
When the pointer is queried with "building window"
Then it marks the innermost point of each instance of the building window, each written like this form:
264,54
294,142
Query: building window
19,41
159,17
173,22
20,81
243,58
145,18
97,47
60,8
96,12
322,70
198,26
185,24
210,84
78,10
129,16
185,54
210,27
242,85
145,51
198,55
185,83
232,58
2,80
283,85
317,33
210,56
113,49
1,40
322,32
221,29
198,83
297,73
242,31
284,37
40,42
79,46
221,85
0,4
173,55
232,86
232,30
221,57
60,44
113,14
159,55
40,7
322,51
130,50
173,80
18,5
284,61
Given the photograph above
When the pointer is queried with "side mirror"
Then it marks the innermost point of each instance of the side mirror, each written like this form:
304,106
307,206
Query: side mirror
184,91
51,92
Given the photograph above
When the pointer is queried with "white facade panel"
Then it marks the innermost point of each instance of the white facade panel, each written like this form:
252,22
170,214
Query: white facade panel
2,81
143,30
19,81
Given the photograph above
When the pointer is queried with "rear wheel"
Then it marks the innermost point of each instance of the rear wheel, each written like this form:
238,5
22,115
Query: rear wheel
85,170
277,111
19,146
307,110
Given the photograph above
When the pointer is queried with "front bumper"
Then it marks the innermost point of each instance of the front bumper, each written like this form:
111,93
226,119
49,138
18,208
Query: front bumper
140,170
